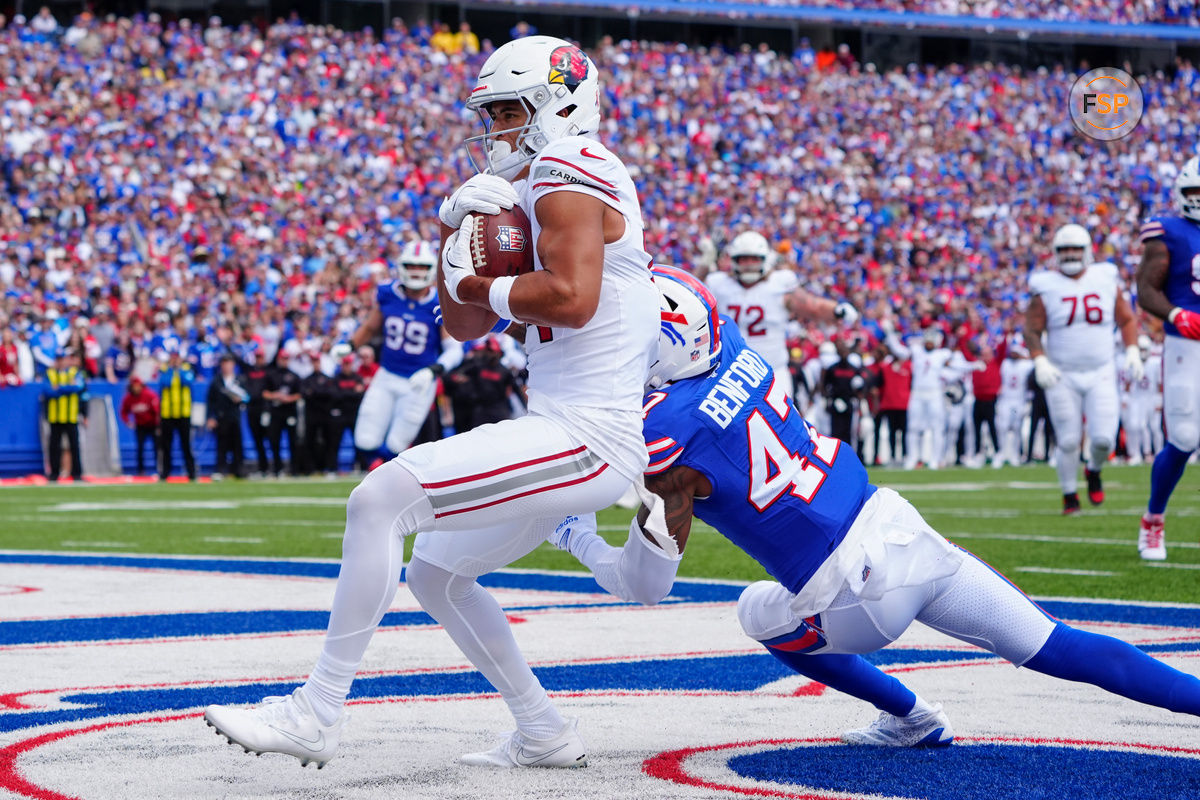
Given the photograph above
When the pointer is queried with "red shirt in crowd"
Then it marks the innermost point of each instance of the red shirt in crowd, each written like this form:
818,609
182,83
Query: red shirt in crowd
897,384
10,371
986,382
142,407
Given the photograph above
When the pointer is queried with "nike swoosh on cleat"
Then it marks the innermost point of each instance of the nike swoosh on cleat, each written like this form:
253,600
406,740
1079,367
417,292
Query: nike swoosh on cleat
315,745
526,761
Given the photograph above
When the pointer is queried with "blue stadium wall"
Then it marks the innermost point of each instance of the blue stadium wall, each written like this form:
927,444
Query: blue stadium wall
21,447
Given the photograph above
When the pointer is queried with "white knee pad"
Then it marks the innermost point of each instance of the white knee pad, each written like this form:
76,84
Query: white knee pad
431,586
389,501
1183,433
764,610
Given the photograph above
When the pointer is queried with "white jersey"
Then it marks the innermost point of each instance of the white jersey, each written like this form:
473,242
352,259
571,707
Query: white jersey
759,310
1014,380
1080,315
592,378
928,366
1149,388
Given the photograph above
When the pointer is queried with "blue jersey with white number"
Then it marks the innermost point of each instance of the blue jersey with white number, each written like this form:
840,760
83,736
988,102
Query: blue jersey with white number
412,338
1182,238
782,492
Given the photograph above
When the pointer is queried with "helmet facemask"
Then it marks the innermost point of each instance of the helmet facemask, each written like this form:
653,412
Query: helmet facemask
1187,190
417,264
1072,246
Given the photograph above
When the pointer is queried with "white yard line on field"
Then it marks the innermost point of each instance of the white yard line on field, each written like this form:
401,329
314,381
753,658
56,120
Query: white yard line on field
1033,537
233,539
1056,571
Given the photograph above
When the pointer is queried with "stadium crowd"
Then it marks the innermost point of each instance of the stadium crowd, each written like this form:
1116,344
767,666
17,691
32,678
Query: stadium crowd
215,189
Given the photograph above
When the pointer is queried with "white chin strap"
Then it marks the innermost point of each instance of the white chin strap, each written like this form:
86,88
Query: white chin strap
503,162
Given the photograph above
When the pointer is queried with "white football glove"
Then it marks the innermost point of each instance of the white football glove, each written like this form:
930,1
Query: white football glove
481,194
456,258
887,326
420,381
846,312
1133,363
1044,372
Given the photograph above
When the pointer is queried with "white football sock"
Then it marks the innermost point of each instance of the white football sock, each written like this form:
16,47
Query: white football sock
478,626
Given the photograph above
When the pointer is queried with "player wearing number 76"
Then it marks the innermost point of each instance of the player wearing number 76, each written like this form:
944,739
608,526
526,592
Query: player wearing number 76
1076,306
853,564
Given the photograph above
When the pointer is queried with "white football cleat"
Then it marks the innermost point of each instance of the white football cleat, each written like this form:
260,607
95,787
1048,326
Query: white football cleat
566,750
926,729
280,725
1152,540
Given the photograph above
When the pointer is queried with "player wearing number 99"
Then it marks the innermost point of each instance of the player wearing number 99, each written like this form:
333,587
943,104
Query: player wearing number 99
1076,306
854,564
1168,282
415,351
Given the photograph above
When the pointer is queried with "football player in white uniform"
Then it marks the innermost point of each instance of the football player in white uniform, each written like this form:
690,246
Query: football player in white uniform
761,300
415,351
932,364
484,498
1012,405
1168,282
1076,306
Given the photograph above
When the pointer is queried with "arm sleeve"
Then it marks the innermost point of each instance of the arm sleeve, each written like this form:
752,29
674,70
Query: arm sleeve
899,349
452,354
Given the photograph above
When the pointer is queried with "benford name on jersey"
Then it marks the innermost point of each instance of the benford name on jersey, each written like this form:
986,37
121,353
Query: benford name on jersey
725,400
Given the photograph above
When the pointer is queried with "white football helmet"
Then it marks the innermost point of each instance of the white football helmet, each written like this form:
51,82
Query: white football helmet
1188,178
559,86
1072,236
418,260
753,247
689,338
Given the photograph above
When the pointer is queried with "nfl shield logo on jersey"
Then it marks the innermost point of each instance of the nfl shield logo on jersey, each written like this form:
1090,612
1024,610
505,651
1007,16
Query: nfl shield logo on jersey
511,239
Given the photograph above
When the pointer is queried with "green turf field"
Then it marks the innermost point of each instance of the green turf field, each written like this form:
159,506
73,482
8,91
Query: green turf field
1010,518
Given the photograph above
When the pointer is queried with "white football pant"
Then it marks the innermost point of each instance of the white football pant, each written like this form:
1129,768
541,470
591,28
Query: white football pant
926,412
1181,392
391,414
915,574
1090,394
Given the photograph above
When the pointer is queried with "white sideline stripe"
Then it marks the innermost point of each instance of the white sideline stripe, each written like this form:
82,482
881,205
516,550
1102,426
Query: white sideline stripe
1032,537
73,543
172,521
233,539
140,505
1055,571
1162,565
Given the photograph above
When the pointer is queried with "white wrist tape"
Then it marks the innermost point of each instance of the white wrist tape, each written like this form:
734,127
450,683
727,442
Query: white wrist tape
498,296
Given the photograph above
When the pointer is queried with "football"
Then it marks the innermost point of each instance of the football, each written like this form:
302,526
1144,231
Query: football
502,244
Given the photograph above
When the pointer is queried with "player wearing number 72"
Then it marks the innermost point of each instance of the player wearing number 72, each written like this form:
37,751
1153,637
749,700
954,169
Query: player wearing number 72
853,564
1076,306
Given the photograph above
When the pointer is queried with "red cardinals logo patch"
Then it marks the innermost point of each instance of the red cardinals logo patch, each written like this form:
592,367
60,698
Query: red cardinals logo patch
568,66
511,239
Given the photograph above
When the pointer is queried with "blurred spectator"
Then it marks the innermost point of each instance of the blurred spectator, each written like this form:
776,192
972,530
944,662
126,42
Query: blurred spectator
466,42
481,390
16,362
894,394
320,392
842,385
118,360
139,410
350,388
175,412
521,30
257,375
282,395
443,40
65,403
1039,415
225,404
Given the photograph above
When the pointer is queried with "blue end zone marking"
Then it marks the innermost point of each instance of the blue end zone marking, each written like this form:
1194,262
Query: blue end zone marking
976,772
737,673
250,622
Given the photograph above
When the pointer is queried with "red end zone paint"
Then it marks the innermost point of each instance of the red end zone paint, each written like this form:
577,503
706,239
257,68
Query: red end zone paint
11,778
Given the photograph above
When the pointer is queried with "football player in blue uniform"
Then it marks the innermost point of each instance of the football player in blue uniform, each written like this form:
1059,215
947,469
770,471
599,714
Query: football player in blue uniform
415,351
854,564
1168,281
